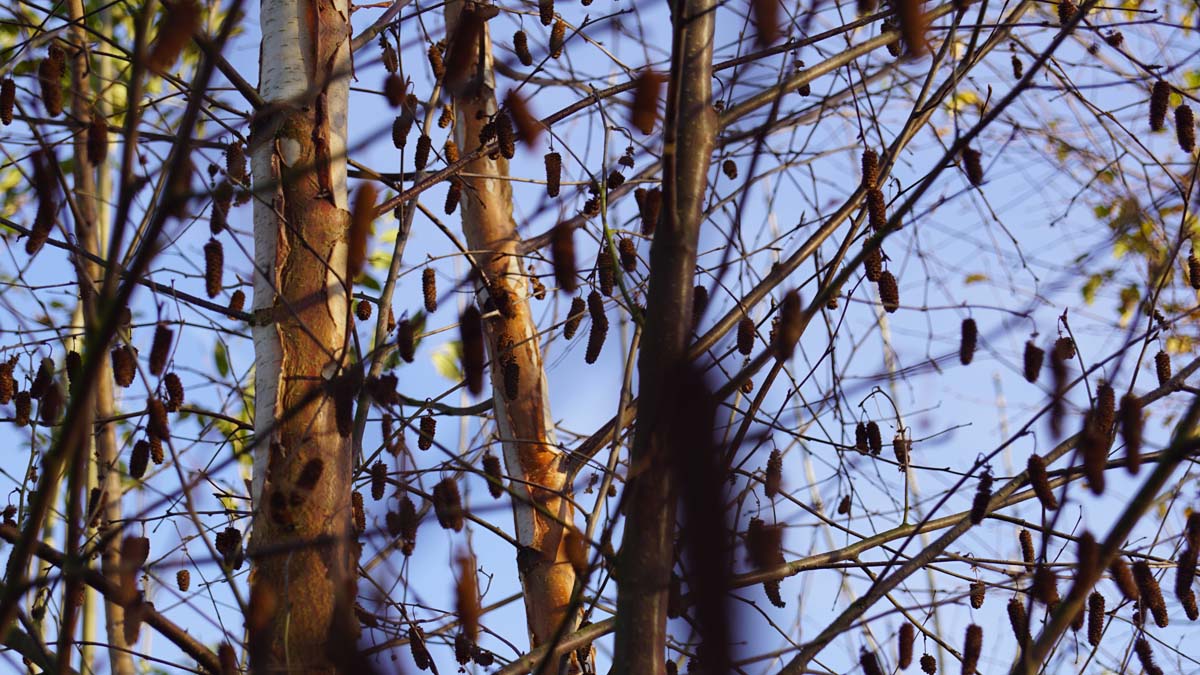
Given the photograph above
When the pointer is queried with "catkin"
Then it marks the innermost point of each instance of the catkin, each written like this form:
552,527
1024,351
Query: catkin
774,474
1185,128
1131,431
606,272
1185,574
183,579
1019,620
874,439
174,387
873,263
983,496
156,423
429,289
869,663
471,334
574,316
8,383
139,459
428,427
966,346
843,507
1193,266
50,73
1146,657
521,47
745,336
1150,592
400,129
558,36
436,63
8,99
1066,11
972,647
97,139
214,267
1028,555
546,11
977,593
358,512
378,480
627,251
860,438
160,349
1095,620
1018,68
928,664
889,292
1064,348
1123,577
649,208
973,165
904,648
1040,481
362,310
506,137
237,301
73,364
870,169
445,119
447,505
599,327
235,162
1162,367
553,162
729,168
876,209
1160,96
453,195
124,365
450,151
562,252
1045,586
23,404
491,468
424,145
1034,357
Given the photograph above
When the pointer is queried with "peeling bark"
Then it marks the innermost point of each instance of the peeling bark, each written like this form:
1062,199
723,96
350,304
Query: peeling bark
302,463
536,460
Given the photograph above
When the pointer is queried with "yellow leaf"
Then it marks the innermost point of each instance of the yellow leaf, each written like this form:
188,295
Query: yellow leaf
446,358
1179,344
975,278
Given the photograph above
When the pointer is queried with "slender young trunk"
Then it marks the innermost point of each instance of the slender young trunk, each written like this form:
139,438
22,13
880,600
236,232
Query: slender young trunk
301,549
534,461
104,436
647,550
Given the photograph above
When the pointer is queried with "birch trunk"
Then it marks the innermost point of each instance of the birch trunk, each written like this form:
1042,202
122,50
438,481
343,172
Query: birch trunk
302,549
646,556
531,454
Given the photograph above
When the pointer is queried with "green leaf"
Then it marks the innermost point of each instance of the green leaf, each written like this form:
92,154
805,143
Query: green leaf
221,357
446,360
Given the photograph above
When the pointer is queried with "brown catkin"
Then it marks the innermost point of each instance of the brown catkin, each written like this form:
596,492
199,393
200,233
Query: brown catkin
1193,266
874,439
436,63
1018,619
1064,348
1066,11
574,316
558,36
1185,128
214,267
1028,555
174,387
97,139
378,480
52,403
1123,577
729,168
428,427
447,505
745,336
928,664
904,647
450,151
977,593
889,292
139,459
628,253
1131,431
41,382
124,365
553,162
546,11
972,647
1185,574
8,384
1034,357
183,579
869,663
973,165
470,325
966,345
843,507
358,512
1018,68
50,73
400,129
599,329
903,448
1095,620
876,209
606,270
445,119
73,364
362,310
983,496
237,301
521,47
1036,466
873,263
429,289
1150,592
1160,96
491,468
23,404
506,137
870,169
235,162
774,474
649,208
1106,407
156,422
424,145
860,438
1162,367
1045,586
453,195
1146,657
160,349
562,253
8,98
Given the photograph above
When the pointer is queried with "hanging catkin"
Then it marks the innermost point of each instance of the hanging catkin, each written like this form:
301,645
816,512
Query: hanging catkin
889,292
160,349
1162,367
562,252
1185,128
574,317
745,336
429,289
1040,481
553,162
50,73
599,328
1160,96
1033,359
558,36
214,267
1131,431
973,165
521,47
424,145
966,346
8,99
